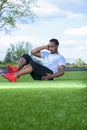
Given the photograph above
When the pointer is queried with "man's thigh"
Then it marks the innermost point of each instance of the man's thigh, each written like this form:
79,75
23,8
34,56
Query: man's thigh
39,71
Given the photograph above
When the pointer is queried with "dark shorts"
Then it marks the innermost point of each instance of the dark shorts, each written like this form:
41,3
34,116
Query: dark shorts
38,69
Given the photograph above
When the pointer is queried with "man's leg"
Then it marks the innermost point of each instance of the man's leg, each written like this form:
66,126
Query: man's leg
21,63
34,69
25,70
24,60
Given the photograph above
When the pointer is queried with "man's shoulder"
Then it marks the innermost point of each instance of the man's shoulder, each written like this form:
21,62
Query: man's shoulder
62,60
59,56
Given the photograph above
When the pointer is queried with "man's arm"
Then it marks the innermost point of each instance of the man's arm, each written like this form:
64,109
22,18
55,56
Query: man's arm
36,51
60,73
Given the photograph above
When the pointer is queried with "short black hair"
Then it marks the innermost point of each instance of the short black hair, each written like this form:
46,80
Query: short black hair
54,40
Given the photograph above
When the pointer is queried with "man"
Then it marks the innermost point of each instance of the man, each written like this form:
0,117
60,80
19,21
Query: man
53,64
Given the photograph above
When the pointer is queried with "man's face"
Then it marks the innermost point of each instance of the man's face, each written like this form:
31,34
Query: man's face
53,47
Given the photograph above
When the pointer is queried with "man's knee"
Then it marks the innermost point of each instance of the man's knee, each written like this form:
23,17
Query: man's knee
27,58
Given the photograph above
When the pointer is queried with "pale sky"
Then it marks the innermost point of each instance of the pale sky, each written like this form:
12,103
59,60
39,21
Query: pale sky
65,20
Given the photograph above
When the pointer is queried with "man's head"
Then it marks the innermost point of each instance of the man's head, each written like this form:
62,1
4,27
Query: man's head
53,45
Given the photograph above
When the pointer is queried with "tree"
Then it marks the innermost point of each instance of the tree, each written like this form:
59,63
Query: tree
8,57
14,52
13,10
80,62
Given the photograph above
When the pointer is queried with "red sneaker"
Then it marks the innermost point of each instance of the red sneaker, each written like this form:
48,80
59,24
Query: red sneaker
10,77
12,69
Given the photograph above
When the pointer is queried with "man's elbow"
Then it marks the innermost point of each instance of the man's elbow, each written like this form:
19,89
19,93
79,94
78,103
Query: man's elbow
62,72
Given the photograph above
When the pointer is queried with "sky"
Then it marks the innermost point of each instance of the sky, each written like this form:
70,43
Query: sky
65,20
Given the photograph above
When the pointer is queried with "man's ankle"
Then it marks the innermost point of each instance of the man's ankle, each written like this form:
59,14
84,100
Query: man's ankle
16,75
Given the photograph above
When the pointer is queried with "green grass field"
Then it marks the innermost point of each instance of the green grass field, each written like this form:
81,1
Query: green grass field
44,105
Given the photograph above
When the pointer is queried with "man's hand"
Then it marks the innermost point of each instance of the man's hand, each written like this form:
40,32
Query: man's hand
47,77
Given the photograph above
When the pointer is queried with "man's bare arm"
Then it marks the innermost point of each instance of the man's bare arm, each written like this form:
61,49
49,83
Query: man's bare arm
60,73
36,51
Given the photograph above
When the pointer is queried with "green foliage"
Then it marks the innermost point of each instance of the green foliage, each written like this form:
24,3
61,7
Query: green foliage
16,51
12,11
78,63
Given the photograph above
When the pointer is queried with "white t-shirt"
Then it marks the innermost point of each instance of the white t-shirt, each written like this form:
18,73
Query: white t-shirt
52,61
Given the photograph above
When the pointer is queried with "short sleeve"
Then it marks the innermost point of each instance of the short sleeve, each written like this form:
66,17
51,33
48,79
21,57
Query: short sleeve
62,61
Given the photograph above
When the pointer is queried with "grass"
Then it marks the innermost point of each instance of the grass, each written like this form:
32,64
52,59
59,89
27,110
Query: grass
44,105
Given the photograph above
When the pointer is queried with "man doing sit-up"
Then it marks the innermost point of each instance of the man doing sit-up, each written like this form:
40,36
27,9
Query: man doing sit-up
53,64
